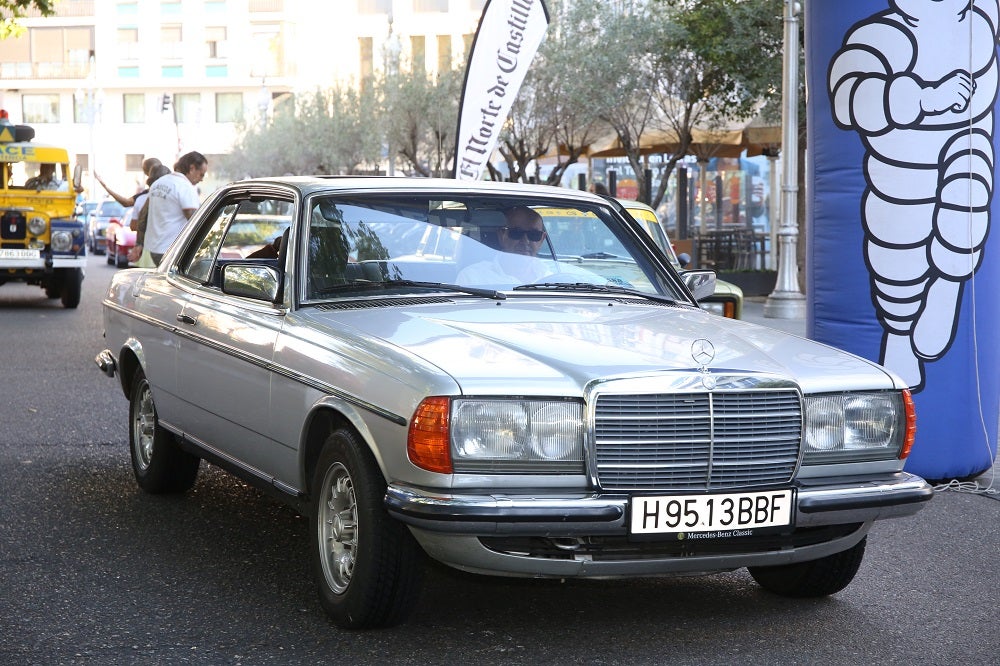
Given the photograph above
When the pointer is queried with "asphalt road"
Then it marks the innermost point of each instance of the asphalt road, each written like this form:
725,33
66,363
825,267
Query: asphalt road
94,572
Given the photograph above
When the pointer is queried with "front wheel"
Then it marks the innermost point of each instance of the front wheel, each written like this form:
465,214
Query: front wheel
71,286
368,567
816,578
159,464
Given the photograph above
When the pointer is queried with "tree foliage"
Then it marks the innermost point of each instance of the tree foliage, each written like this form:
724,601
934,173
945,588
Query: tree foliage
617,69
322,132
739,43
420,115
12,10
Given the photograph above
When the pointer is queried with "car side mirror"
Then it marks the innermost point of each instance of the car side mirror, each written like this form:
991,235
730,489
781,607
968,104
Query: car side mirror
249,281
700,283
77,177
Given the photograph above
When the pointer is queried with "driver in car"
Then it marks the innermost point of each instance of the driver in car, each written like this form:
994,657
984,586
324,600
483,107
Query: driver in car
517,263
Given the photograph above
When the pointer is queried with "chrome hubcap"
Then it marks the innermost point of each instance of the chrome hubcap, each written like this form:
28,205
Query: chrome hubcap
143,428
337,521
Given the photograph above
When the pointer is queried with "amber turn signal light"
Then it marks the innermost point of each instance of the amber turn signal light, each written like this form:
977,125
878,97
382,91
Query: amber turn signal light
911,424
427,442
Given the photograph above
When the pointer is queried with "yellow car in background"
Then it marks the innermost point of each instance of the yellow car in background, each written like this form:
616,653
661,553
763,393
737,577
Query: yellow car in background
727,299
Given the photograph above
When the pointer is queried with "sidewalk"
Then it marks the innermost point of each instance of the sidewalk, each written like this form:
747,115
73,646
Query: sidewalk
753,311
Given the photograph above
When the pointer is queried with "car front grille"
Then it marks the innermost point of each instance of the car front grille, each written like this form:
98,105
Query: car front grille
707,440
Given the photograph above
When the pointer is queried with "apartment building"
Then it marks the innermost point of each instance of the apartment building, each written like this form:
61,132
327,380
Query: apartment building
116,81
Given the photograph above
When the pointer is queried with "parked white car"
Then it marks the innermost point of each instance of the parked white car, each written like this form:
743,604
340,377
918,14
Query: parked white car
422,368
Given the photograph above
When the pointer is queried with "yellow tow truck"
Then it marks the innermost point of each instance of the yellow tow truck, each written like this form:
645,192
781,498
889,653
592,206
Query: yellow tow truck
41,242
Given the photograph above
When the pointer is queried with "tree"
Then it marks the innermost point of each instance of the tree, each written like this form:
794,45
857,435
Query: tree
420,114
637,67
323,132
12,10
739,43
555,112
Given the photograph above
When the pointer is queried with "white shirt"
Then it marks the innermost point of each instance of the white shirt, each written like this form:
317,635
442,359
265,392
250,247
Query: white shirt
509,270
168,197
133,212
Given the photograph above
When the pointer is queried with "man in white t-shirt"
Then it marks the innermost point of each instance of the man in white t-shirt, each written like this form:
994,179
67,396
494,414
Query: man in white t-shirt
172,201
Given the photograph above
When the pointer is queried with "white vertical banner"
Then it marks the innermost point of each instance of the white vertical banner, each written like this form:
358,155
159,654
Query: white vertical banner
508,36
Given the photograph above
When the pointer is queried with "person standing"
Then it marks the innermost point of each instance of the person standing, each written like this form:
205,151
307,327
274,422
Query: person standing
172,201
140,216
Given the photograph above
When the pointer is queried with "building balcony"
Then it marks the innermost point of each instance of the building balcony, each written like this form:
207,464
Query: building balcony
42,70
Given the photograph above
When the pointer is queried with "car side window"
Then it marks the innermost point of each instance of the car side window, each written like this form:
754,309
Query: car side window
256,230
244,230
197,264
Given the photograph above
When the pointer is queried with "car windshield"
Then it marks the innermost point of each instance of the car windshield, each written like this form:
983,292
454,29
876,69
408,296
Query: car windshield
365,245
647,220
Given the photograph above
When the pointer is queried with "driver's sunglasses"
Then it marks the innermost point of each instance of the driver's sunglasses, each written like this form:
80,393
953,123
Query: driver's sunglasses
516,234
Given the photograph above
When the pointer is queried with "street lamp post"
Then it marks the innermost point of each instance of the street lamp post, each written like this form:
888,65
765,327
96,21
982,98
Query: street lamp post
91,99
263,103
393,48
786,301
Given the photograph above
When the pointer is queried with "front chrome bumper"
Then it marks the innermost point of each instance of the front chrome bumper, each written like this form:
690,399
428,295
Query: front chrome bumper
106,362
819,502
485,533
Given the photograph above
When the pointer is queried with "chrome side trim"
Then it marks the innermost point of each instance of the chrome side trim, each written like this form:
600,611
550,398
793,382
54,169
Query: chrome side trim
224,460
266,364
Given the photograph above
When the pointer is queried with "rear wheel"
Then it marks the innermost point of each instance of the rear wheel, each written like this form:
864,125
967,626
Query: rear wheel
70,286
816,578
159,465
367,566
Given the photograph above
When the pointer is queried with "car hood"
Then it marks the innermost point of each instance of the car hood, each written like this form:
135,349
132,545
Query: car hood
562,344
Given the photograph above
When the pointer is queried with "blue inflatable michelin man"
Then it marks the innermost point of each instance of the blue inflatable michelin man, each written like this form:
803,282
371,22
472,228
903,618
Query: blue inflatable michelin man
901,264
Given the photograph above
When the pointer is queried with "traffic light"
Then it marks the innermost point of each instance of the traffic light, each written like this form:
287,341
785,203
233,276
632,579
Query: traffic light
165,102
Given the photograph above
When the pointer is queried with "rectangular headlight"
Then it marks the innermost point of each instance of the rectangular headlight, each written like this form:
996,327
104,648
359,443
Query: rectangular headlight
854,427
517,436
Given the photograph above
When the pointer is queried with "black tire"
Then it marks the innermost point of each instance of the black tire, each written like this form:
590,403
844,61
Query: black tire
53,288
368,567
121,260
159,465
71,286
816,578
111,258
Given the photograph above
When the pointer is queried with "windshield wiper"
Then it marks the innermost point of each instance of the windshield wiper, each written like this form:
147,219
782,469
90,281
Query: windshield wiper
599,255
440,286
600,288
472,291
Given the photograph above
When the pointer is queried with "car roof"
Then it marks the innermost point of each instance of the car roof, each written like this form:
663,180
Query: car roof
312,184
638,205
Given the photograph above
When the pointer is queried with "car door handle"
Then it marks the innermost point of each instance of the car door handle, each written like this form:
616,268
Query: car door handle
186,319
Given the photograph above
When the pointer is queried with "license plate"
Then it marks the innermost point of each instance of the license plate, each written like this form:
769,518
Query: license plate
722,513
16,253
